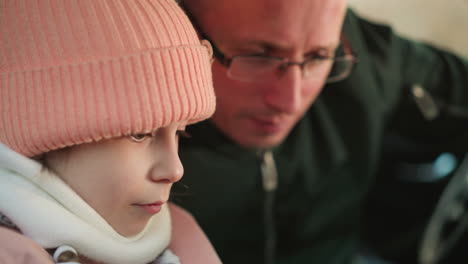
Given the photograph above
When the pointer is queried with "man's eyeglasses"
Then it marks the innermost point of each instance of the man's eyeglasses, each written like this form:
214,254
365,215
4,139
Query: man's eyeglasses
260,68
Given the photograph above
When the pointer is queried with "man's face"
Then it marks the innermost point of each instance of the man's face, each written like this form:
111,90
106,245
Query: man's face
261,114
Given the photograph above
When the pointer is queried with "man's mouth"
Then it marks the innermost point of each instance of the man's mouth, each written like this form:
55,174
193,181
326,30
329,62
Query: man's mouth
267,125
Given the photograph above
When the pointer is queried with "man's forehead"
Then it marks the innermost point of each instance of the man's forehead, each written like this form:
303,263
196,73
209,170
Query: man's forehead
273,24
240,15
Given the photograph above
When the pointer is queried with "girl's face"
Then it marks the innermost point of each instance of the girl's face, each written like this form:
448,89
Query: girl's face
125,181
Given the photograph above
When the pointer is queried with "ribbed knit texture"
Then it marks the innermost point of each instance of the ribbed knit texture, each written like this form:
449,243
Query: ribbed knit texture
75,71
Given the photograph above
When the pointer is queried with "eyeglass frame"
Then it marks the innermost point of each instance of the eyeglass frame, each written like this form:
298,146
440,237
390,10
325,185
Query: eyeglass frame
348,54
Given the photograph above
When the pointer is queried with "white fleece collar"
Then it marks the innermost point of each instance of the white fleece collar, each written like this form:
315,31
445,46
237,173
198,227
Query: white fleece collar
51,213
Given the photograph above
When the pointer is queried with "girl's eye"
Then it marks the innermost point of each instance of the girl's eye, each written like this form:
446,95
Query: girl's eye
139,137
183,133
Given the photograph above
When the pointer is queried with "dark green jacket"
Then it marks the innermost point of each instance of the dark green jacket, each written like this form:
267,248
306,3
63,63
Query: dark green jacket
328,163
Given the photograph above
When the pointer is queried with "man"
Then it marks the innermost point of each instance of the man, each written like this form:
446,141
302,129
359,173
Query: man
281,171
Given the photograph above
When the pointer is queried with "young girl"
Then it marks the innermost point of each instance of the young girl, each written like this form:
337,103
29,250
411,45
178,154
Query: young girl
93,97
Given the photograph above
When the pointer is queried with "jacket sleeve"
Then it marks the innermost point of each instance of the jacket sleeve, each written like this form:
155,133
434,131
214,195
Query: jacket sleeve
18,249
188,240
397,65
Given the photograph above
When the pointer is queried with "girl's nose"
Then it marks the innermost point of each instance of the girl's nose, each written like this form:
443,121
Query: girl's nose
168,167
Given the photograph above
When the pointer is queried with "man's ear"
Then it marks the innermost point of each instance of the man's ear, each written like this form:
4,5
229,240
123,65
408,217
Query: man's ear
207,44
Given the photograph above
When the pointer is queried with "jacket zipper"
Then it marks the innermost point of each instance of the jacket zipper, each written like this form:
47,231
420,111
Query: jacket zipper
270,184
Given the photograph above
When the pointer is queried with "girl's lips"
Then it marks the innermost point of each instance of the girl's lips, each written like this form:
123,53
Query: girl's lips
152,208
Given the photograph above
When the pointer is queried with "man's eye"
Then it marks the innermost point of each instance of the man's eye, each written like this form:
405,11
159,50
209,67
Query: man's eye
139,137
183,133
318,57
317,60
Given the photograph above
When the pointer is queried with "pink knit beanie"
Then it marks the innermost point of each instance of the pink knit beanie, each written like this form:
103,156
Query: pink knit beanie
76,71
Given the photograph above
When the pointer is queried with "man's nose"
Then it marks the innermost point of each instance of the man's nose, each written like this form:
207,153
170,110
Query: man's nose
284,93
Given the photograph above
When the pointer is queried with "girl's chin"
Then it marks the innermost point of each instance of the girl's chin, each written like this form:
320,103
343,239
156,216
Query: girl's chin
130,230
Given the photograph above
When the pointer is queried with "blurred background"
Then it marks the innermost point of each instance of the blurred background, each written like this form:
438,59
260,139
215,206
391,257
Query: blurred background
441,22
398,212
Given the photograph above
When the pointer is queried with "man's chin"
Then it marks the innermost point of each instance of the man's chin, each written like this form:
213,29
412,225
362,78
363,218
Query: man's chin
262,142
253,138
